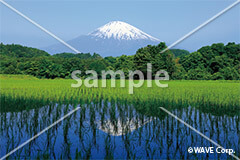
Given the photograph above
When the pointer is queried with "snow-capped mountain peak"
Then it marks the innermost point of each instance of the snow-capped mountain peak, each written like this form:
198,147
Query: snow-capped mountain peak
121,31
113,39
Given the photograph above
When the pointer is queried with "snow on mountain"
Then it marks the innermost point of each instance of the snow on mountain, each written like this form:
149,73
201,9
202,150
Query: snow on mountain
113,39
121,31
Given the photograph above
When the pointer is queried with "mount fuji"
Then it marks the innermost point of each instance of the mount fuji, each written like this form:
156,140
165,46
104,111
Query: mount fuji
113,39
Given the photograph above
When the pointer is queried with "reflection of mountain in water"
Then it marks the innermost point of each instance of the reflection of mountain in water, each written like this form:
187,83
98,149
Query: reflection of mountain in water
121,128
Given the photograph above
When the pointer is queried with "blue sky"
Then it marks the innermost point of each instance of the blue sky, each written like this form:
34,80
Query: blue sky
167,20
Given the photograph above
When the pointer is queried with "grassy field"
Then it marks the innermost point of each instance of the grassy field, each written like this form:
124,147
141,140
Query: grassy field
25,92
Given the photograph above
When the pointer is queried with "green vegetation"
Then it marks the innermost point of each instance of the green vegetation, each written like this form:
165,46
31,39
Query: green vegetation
18,51
153,55
215,62
17,77
220,96
179,52
78,55
36,91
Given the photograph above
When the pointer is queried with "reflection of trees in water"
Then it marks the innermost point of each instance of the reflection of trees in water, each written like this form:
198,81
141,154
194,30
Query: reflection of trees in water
115,130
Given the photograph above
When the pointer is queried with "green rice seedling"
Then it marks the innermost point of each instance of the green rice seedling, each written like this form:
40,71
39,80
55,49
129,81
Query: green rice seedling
21,93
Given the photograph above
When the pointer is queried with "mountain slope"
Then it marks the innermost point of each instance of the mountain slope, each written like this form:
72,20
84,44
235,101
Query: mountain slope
113,39
121,31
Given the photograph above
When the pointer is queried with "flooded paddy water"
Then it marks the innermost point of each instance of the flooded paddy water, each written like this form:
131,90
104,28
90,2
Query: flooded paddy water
114,130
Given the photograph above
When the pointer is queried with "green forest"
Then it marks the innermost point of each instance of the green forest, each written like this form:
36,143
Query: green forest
215,62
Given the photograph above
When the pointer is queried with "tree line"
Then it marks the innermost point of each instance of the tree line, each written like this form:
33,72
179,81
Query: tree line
215,62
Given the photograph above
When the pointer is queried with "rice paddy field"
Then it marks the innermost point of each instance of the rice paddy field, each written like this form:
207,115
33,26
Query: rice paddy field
113,124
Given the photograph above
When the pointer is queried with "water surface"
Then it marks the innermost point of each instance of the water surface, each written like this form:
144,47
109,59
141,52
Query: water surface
110,130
